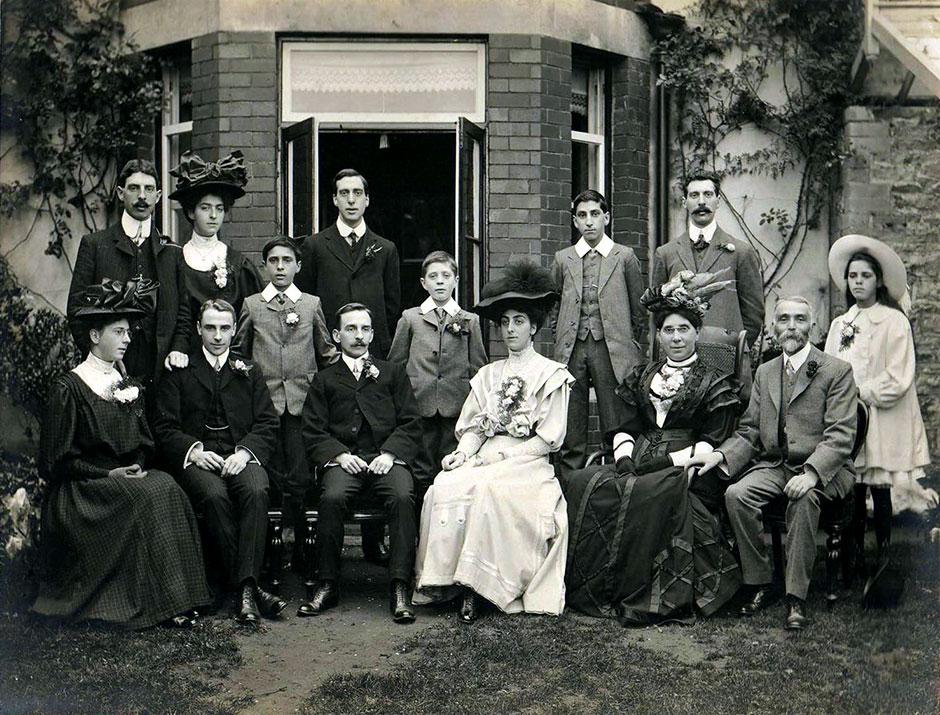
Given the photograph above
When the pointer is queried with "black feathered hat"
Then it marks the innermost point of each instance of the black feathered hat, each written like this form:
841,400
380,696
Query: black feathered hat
120,299
522,282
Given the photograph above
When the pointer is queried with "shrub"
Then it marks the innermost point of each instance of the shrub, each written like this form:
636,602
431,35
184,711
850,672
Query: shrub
21,494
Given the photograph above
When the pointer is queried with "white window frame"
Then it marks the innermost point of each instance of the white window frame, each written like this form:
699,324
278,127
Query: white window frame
332,120
171,127
596,137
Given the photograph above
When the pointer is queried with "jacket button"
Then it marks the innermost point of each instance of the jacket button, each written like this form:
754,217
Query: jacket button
355,429
434,352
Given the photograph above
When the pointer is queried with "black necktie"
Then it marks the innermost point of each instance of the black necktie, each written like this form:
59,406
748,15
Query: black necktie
280,298
700,244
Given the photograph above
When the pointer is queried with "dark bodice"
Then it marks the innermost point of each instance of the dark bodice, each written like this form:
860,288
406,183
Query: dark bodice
705,410
243,279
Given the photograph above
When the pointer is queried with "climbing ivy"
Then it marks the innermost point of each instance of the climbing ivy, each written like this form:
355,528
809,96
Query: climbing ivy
76,93
717,67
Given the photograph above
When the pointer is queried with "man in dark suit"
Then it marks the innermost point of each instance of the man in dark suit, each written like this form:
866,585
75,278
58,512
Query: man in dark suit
348,262
704,248
800,425
362,426
134,248
216,427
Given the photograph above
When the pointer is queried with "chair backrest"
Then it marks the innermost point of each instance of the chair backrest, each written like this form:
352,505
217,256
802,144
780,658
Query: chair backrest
861,429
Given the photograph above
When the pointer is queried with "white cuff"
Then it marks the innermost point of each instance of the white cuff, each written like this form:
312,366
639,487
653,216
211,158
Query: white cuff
623,445
186,460
254,459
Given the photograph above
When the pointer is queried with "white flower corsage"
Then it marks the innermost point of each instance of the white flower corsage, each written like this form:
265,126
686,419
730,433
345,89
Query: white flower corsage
671,385
126,395
847,336
220,272
292,318
241,367
371,371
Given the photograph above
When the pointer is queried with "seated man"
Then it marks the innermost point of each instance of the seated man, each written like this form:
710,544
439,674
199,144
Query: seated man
800,423
215,425
361,423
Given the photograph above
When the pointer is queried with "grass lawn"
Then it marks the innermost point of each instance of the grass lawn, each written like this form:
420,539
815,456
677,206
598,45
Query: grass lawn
46,668
849,661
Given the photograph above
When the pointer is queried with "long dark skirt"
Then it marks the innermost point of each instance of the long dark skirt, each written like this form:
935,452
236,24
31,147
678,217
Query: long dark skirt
123,551
643,549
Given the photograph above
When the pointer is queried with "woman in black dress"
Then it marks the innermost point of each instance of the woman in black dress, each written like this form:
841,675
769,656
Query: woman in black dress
211,268
645,544
119,540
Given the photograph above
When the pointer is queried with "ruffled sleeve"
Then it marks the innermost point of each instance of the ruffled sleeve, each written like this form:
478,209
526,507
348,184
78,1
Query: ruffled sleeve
550,417
475,403
721,406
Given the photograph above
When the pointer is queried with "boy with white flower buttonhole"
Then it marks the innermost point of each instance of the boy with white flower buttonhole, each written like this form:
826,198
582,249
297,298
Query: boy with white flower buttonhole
284,331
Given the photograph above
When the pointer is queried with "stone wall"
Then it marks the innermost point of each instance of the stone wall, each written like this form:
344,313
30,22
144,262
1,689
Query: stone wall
890,189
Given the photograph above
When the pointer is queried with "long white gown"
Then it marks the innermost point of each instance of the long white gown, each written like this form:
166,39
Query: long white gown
502,528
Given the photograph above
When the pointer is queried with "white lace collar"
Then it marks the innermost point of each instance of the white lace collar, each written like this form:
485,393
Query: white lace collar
203,253
100,375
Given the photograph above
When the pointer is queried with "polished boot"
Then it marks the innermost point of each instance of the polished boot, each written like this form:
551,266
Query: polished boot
325,597
859,520
246,607
400,602
469,607
761,597
881,496
269,605
797,619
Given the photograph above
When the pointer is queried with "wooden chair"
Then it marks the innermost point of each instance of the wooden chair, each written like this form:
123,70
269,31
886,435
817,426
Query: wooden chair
835,519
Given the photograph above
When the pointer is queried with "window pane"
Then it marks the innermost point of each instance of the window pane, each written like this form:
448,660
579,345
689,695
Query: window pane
579,99
185,93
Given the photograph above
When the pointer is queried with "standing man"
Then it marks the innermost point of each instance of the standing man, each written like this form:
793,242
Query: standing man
347,262
216,427
704,247
599,320
800,424
131,249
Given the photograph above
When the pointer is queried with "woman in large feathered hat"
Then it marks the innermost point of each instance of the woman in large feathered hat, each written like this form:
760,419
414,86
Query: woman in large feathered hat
874,336
120,544
212,269
493,524
640,522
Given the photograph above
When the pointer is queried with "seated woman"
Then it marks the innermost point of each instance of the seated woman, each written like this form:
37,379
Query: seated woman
493,522
211,269
119,541
645,545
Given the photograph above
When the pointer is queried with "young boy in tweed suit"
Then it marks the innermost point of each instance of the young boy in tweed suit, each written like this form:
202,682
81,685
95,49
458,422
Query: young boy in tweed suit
284,332
441,346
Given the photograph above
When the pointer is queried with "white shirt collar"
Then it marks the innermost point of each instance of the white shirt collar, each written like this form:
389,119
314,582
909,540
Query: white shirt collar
354,363
212,359
708,231
270,293
603,246
131,224
450,307
798,358
688,362
345,229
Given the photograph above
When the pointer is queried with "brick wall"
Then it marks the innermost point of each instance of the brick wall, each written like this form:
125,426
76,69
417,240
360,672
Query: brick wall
889,191
235,107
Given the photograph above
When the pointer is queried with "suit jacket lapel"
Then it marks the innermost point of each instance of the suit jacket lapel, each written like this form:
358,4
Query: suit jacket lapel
338,247
122,242
202,370
431,318
802,376
368,241
608,264
714,250
775,388
684,251
576,267
228,374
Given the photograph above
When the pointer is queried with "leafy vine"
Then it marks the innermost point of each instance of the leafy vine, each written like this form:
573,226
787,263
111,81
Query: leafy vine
717,71
77,93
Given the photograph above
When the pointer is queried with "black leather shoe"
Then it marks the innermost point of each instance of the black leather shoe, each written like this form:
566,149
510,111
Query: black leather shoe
269,605
247,608
761,597
400,602
326,596
469,607
797,619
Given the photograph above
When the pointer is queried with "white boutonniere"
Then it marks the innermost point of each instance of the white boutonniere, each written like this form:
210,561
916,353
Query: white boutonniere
292,318
458,326
371,251
729,247
127,393
241,367
371,370
220,273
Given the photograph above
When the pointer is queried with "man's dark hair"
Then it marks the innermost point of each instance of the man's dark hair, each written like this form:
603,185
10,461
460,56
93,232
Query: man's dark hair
138,165
702,176
350,308
589,195
282,242
345,174
223,306
438,257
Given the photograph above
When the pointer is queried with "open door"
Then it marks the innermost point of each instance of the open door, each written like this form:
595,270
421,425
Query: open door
470,211
298,169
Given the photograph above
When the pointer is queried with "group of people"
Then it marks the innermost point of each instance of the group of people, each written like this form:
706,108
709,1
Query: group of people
479,466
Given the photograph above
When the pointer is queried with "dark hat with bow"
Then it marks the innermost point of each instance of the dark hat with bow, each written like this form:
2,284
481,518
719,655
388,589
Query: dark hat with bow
521,283
194,175
116,298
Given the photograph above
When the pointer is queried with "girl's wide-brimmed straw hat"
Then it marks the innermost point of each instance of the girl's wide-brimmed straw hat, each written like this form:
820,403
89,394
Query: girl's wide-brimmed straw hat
119,299
892,267
521,282
226,176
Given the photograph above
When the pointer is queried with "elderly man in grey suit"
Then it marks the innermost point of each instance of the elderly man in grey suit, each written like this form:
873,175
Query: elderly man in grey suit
598,323
800,424
704,247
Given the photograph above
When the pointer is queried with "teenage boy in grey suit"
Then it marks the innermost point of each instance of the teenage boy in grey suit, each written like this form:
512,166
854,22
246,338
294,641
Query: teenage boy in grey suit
800,424
284,332
441,347
599,321
705,248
